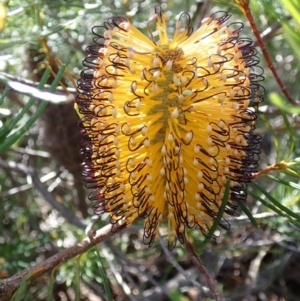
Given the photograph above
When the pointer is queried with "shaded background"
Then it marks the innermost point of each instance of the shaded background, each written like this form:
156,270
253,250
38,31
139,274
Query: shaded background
248,263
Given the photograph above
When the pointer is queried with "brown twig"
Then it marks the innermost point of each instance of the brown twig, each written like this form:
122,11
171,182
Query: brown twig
49,198
35,84
65,212
178,267
203,271
10,285
274,167
15,97
171,285
253,272
247,12
22,169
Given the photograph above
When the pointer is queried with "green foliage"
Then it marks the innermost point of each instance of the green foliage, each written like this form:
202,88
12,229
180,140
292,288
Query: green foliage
293,7
21,292
31,231
104,277
176,295
282,104
218,218
10,132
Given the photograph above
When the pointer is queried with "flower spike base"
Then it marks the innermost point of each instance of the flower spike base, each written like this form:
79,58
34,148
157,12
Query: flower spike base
166,122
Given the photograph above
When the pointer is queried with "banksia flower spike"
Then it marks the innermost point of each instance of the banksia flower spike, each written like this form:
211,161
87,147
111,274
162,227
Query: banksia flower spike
166,122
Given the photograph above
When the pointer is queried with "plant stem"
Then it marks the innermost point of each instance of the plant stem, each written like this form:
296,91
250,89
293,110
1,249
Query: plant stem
203,271
10,285
246,10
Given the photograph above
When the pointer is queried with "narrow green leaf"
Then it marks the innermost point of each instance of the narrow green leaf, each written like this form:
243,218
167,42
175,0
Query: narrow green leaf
77,279
271,131
291,35
6,129
248,213
177,295
21,291
282,103
6,44
293,6
287,183
10,140
57,78
103,275
291,140
26,297
277,204
292,171
219,217
4,93
275,209
50,287
56,28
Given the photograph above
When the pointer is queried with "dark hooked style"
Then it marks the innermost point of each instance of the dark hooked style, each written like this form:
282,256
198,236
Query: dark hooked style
166,122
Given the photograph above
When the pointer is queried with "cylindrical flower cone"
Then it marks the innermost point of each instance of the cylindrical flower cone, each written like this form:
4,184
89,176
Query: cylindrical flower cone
166,122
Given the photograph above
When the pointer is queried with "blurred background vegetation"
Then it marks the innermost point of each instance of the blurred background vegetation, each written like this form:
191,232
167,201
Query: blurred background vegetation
42,44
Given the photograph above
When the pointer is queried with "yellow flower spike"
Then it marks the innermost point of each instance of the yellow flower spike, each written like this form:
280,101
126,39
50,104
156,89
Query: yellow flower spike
166,122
